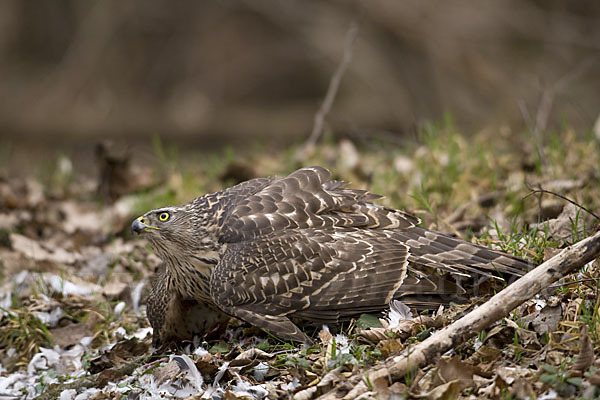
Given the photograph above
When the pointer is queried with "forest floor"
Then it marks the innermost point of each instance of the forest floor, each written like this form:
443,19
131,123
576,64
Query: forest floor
73,279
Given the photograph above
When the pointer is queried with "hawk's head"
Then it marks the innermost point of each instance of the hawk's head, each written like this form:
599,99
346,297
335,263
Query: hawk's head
169,229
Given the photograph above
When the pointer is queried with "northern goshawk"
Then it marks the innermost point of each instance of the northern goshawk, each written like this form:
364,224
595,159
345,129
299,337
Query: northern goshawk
303,247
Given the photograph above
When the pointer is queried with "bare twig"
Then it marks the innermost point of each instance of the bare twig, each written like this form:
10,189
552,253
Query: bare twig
574,282
540,190
525,112
481,318
332,90
546,102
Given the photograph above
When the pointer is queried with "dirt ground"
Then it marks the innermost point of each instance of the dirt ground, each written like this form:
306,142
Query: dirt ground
74,280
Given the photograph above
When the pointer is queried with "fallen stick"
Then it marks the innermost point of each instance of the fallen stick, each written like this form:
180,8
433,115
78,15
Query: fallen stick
458,332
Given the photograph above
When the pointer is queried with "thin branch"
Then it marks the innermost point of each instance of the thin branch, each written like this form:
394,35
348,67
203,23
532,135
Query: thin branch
573,282
547,101
498,307
332,90
540,190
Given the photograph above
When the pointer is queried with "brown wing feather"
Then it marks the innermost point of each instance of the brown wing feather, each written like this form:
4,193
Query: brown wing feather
340,269
328,275
308,199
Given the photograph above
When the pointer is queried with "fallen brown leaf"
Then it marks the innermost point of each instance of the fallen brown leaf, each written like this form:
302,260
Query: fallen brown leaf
522,389
325,336
585,358
390,346
547,319
485,354
305,394
70,335
446,391
330,378
118,354
453,369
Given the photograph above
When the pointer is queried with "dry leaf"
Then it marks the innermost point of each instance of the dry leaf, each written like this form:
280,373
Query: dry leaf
390,346
550,252
229,395
563,185
374,335
585,358
453,369
561,226
71,334
381,387
330,377
121,352
485,354
547,319
510,374
499,336
572,310
250,355
403,164
208,365
551,208
325,336
398,388
493,391
348,156
522,389
305,394
447,391
527,338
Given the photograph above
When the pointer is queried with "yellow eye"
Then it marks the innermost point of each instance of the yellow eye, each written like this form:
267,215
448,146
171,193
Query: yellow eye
164,216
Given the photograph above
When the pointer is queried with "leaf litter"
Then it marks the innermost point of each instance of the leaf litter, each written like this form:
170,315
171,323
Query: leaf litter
73,284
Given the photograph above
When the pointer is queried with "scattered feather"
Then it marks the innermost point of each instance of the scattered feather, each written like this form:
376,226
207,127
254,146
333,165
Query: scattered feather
50,319
291,386
119,308
136,296
243,388
200,351
45,359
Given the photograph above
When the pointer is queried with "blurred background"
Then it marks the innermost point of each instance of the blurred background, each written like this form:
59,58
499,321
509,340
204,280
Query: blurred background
203,75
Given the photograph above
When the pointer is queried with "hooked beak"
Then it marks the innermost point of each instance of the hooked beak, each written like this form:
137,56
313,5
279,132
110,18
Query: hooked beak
139,226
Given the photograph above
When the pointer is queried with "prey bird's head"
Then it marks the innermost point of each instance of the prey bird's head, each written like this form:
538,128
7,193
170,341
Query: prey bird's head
169,229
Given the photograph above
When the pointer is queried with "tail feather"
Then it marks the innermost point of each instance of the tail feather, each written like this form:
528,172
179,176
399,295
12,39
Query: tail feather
454,255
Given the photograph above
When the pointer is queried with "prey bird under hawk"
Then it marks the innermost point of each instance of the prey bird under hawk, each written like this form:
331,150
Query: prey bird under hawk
303,247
